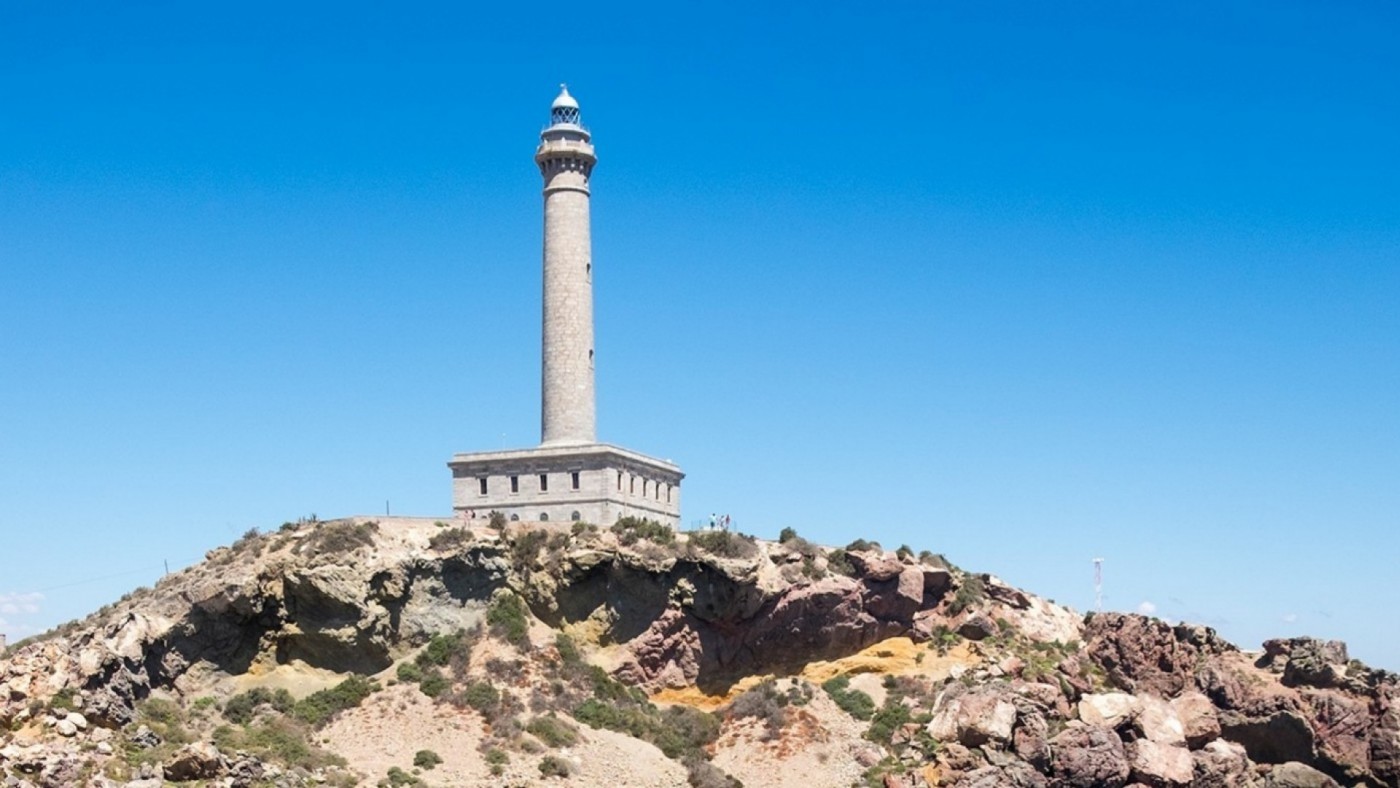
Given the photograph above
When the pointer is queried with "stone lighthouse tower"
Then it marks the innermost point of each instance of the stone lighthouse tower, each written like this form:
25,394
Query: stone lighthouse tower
570,475
565,158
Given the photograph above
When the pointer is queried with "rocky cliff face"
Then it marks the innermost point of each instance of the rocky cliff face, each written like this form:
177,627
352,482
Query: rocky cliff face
632,657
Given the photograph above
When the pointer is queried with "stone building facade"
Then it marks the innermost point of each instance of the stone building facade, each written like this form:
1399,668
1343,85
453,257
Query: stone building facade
570,476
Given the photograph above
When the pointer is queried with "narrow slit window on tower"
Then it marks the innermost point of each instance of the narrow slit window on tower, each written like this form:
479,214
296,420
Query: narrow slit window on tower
544,482
481,480
644,488
632,485
619,481
544,517
573,479
668,493
515,484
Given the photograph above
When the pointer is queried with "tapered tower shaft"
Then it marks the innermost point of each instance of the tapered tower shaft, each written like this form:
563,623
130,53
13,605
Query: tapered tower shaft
565,157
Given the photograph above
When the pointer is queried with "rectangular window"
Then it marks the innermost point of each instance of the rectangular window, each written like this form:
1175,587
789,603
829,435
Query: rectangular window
644,488
544,482
619,481
515,484
668,493
573,478
482,482
632,485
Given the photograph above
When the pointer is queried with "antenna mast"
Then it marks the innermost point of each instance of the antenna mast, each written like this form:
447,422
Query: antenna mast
1098,585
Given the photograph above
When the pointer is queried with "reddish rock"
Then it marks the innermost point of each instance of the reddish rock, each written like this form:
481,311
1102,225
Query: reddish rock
877,566
1200,723
1084,756
1221,764
1160,765
1143,655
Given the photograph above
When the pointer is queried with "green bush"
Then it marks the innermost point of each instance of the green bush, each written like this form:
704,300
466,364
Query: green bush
553,766
246,540
450,539
441,648
726,544
678,731
568,650
63,700
971,592
861,545
341,537
319,707
481,696
426,759
276,740
525,547
433,683
888,719
397,777
496,521
553,731
630,530
241,707
507,618
853,702
786,535
837,562
409,673
497,759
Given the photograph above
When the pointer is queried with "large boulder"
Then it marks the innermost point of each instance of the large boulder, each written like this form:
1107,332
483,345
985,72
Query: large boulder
1200,722
1146,655
198,761
1307,661
1157,721
973,719
1108,709
897,598
1298,775
1222,764
1087,756
1160,765
1011,775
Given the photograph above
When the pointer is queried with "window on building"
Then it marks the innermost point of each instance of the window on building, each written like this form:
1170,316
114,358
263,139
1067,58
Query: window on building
515,518
482,482
544,482
632,485
573,479
515,484
544,517
619,481
575,517
644,488
668,493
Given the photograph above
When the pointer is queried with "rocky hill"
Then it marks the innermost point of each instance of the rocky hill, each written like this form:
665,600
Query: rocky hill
412,652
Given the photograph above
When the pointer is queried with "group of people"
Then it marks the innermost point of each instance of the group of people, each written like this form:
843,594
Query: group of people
720,521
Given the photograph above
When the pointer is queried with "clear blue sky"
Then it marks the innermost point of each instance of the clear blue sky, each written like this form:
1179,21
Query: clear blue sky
1021,283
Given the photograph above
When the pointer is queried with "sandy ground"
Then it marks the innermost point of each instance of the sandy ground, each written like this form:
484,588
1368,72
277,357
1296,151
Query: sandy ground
391,726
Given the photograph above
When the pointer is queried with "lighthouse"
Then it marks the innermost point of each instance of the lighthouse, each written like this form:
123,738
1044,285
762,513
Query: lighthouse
565,158
570,476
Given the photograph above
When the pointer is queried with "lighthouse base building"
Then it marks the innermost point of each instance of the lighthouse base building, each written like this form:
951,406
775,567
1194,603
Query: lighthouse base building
570,476
595,483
